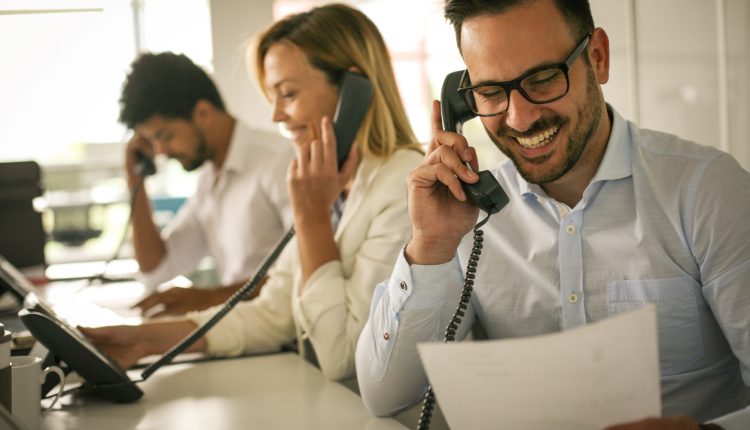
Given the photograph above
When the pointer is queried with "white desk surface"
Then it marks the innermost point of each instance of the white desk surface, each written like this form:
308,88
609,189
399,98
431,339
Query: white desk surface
279,391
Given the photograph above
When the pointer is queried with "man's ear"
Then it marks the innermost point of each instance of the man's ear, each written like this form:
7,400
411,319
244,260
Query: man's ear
203,113
598,53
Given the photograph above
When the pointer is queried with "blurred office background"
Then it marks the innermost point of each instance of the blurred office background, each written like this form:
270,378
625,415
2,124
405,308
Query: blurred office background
677,65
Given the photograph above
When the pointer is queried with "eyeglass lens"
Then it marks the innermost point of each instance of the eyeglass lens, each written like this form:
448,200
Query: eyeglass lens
540,87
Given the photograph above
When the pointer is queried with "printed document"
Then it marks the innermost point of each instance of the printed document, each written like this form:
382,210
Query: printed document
582,379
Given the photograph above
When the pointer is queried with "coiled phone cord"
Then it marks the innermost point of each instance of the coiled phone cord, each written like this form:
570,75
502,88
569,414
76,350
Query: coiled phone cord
428,405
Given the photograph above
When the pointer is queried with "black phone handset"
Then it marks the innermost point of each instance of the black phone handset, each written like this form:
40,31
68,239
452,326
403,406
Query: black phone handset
144,166
486,193
355,98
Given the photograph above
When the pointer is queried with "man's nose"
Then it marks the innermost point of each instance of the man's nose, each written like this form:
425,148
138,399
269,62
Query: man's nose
521,113
160,148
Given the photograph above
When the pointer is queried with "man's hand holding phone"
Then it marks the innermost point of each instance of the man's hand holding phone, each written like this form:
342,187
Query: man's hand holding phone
438,207
138,148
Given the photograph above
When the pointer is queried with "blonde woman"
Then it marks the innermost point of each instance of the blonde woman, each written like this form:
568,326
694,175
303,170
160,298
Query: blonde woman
320,289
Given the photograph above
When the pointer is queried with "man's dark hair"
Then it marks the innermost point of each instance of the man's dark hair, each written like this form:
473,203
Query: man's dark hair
165,84
577,13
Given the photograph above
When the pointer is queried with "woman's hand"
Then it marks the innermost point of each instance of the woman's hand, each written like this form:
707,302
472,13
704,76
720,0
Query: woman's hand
314,179
315,183
124,344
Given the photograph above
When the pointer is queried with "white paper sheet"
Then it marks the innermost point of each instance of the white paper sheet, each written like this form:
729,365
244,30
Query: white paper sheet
582,379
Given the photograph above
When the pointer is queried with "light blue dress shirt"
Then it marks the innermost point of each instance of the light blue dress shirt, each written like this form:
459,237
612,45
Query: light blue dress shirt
663,220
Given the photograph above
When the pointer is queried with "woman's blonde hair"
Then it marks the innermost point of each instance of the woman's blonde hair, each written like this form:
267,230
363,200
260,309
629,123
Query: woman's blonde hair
336,38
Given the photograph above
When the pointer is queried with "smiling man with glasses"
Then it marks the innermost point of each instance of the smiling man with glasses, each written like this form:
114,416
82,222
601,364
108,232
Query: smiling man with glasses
604,217
539,85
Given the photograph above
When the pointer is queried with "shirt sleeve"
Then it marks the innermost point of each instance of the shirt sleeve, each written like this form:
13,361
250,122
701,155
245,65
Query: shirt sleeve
275,186
260,325
333,306
185,246
719,232
413,306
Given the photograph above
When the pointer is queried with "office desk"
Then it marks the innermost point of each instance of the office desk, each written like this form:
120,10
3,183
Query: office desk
279,391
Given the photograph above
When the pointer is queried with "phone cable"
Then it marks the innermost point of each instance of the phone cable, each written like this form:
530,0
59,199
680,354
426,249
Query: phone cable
246,291
428,405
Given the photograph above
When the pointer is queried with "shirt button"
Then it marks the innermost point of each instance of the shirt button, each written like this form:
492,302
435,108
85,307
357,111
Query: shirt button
403,285
386,336
573,298
570,229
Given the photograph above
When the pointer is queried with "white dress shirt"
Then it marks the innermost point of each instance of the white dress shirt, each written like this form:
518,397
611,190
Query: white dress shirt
333,306
237,213
663,220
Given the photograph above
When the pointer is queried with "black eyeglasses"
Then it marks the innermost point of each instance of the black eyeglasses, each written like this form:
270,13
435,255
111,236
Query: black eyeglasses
540,85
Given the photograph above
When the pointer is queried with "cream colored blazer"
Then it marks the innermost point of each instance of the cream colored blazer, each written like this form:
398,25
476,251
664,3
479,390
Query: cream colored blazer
334,305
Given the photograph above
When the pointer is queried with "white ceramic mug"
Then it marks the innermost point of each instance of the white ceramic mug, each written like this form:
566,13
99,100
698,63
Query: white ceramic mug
28,377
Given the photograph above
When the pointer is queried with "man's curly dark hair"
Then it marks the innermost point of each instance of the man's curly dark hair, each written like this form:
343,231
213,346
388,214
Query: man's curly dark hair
165,84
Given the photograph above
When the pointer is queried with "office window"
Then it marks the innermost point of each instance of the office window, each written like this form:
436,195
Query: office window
62,72
60,82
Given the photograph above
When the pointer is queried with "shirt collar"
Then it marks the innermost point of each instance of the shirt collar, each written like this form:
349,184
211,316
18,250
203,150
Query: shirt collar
616,163
234,160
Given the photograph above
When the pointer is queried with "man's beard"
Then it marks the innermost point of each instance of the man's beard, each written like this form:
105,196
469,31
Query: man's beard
203,152
589,118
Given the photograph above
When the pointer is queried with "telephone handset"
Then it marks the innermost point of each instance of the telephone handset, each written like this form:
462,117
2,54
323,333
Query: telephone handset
144,166
355,98
486,193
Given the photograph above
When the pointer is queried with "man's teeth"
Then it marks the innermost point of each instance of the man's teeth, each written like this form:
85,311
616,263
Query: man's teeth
538,140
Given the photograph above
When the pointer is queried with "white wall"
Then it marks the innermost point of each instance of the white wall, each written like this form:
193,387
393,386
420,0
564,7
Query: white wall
669,73
233,22
738,43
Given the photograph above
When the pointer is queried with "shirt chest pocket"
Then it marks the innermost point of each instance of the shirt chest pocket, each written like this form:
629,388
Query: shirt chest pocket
678,319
